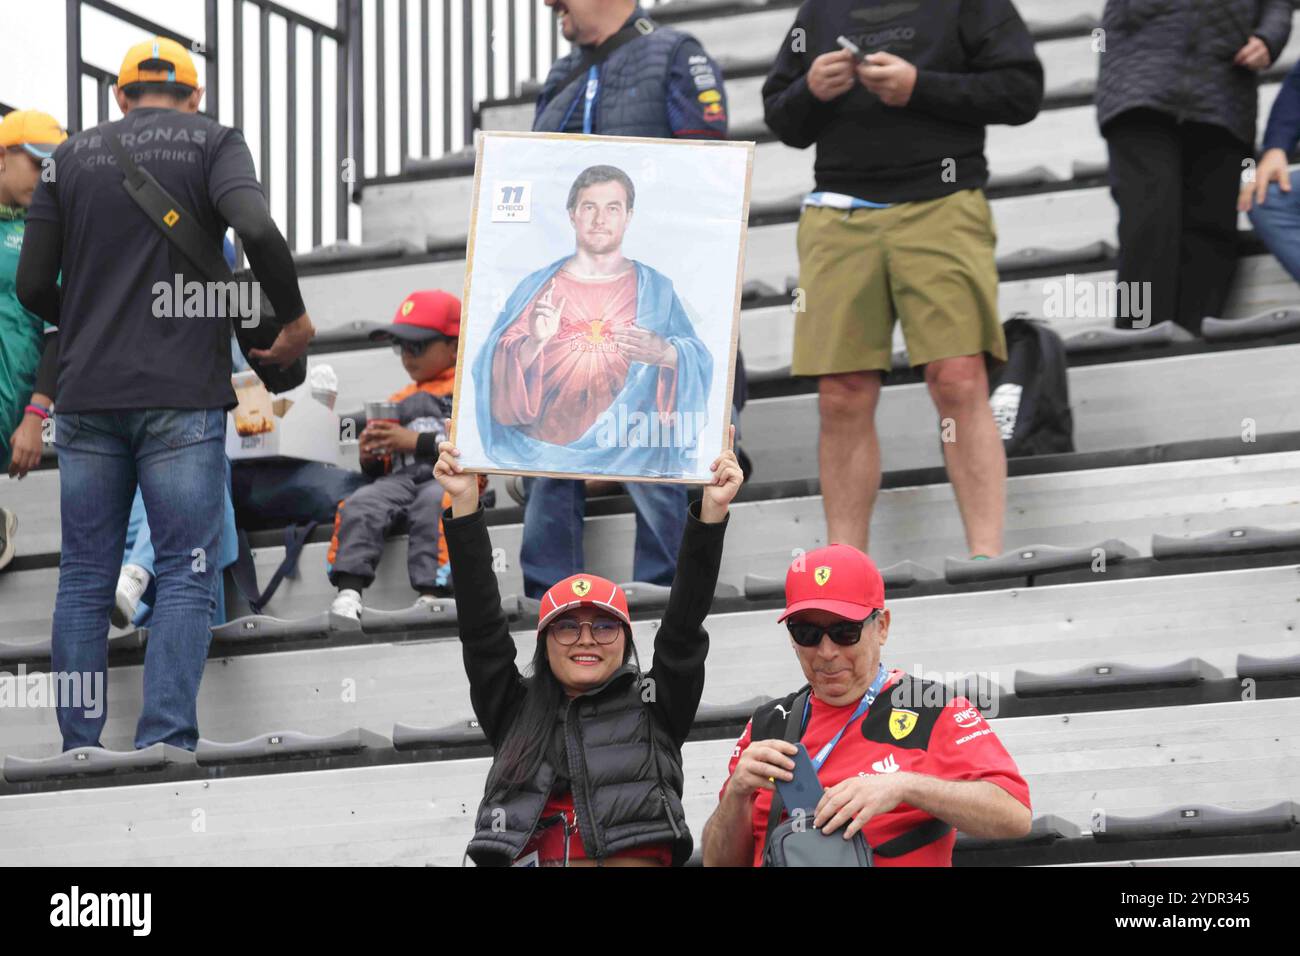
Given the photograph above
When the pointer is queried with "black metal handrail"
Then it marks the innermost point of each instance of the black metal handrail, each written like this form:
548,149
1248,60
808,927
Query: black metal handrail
494,38
208,48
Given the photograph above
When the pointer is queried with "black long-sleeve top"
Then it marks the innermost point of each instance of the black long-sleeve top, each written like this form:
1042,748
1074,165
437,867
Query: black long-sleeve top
975,65
681,643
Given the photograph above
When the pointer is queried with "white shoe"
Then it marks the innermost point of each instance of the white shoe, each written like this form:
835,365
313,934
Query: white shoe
347,604
130,588
8,525
428,602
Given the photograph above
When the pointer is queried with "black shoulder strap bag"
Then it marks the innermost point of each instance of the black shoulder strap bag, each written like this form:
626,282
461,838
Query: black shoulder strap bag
794,842
183,231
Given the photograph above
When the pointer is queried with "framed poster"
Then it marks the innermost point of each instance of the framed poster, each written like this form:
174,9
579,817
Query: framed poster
601,306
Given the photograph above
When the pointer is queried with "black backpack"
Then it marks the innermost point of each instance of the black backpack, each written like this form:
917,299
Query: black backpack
1030,394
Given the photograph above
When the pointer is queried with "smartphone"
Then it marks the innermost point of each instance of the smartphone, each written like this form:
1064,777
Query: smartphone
805,790
847,44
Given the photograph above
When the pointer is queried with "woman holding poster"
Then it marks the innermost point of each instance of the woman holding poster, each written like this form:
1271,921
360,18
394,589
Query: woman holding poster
570,784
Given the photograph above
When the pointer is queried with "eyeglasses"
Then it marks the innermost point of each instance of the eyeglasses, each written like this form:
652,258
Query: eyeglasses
843,633
604,630
413,349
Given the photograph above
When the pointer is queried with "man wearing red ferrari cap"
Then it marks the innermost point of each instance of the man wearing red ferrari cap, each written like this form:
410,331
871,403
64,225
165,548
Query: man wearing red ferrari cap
399,452
587,750
902,765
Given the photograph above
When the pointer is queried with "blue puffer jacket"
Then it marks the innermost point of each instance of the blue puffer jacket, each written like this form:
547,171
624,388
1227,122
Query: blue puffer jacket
633,92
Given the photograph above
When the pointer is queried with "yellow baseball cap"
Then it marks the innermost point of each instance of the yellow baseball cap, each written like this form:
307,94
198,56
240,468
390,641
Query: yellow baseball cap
38,133
159,60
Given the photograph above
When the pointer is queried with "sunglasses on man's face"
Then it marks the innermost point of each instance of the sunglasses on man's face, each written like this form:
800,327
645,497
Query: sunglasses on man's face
604,630
844,633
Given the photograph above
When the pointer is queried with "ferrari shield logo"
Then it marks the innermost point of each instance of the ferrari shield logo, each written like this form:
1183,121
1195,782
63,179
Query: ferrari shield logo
822,575
581,587
901,723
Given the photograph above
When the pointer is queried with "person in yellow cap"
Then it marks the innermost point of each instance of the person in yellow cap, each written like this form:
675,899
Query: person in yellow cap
143,388
27,140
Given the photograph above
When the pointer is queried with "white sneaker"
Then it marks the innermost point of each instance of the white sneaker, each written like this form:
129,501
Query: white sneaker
428,602
8,525
130,588
347,604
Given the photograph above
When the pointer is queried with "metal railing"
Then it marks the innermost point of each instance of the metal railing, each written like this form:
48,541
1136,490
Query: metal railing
392,98
480,49
282,68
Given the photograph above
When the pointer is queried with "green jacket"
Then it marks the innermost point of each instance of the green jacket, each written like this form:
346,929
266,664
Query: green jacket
20,332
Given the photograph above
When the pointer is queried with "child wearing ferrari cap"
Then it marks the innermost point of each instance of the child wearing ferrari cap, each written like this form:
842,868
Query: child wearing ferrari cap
400,454
587,749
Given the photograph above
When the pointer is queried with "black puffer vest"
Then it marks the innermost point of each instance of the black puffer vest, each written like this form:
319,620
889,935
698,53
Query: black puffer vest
624,772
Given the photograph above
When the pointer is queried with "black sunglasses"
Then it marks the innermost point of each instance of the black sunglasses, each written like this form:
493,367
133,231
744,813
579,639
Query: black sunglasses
844,633
413,349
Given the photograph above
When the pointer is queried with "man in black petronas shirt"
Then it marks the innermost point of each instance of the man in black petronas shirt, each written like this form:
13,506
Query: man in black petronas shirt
143,387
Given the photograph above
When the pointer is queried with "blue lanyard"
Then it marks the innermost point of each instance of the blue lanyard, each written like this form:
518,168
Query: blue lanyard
593,84
868,699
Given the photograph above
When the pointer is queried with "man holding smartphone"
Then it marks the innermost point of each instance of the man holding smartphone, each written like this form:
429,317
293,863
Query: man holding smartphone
897,227
901,760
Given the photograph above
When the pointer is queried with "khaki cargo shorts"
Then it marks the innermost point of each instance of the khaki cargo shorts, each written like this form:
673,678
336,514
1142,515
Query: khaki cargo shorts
928,264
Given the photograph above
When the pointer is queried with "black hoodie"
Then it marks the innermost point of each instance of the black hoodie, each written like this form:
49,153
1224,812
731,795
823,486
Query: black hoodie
975,65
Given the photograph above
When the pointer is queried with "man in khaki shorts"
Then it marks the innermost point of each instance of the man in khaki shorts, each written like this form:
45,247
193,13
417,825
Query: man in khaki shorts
898,228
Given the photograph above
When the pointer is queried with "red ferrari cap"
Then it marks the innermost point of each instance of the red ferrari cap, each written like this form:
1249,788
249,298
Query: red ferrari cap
582,590
422,316
838,578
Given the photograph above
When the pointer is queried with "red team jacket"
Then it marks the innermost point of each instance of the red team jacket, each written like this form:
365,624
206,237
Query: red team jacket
906,729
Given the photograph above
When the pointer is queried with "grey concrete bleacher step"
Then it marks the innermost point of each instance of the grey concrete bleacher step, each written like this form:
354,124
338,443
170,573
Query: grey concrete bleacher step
35,651
1046,828
287,743
84,761
1197,821
1070,226
1144,622
1034,559
1268,668
341,299
1101,340
1040,257
337,252
643,596
1098,678
1105,414
1234,540
1287,858
735,713
914,523
1239,755
759,587
460,734
1276,322
262,628
415,617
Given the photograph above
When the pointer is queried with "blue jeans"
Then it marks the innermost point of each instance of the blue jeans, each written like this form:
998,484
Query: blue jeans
552,544
1277,223
139,551
177,456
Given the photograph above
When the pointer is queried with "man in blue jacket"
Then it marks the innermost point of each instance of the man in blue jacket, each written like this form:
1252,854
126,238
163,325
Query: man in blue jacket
625,76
